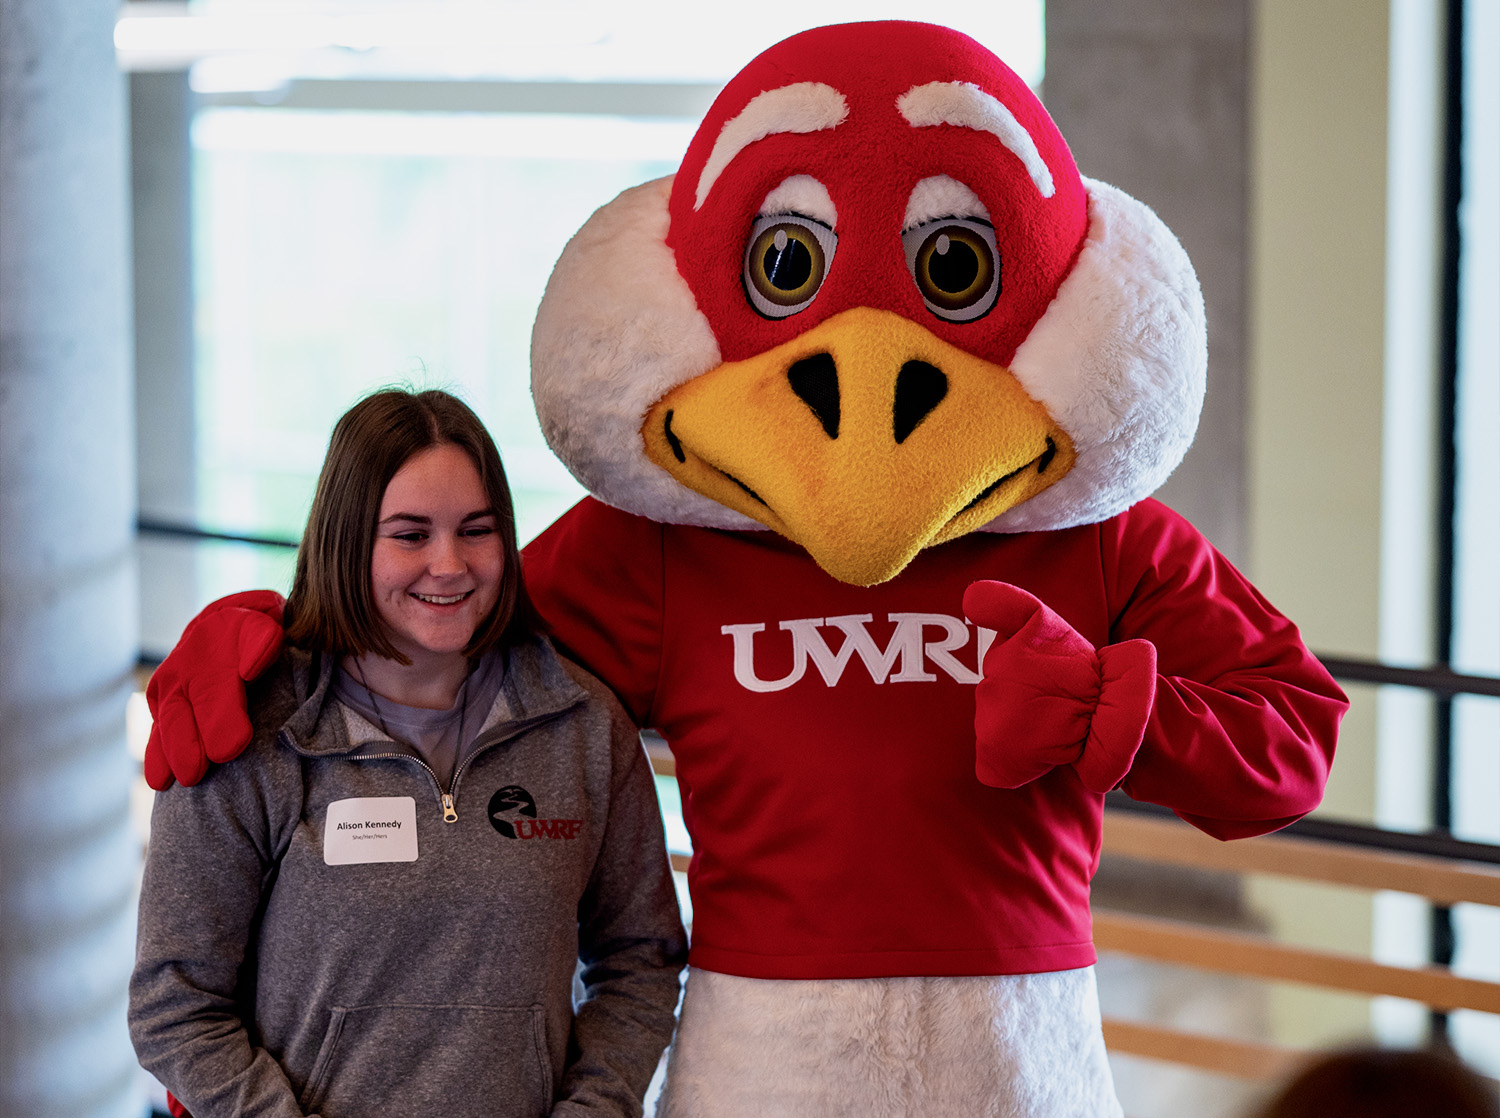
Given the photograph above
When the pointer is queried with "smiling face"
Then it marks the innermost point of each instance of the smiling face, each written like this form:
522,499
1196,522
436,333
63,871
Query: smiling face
436,566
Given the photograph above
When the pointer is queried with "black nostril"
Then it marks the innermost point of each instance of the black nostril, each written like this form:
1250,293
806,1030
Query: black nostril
920,387
815,380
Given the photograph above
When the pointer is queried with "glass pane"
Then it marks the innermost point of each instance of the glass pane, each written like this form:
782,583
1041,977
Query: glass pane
339,252
262,42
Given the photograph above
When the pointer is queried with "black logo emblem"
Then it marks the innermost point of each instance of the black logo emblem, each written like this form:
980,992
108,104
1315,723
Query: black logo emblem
510,798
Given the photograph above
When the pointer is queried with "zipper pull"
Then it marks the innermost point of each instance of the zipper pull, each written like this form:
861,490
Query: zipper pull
450,814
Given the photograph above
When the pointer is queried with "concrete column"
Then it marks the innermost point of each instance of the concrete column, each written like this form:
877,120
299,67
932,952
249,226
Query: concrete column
1153,96
68,860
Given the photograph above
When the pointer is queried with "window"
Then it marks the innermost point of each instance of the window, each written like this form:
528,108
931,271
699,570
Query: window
378,194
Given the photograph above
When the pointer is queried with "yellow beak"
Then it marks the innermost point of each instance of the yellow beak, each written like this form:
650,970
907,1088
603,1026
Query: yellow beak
864,440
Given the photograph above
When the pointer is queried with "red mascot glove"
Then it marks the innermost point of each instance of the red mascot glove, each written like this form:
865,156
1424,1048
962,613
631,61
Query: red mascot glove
197,696
1050,698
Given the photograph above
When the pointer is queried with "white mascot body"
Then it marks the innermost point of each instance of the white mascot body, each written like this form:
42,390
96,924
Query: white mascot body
880,313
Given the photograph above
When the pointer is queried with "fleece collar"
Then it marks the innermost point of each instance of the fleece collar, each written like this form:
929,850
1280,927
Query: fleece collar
536,689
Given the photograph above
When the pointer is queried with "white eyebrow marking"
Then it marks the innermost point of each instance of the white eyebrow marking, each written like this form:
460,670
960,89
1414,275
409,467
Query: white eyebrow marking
803,107
805,195
967,106
941,196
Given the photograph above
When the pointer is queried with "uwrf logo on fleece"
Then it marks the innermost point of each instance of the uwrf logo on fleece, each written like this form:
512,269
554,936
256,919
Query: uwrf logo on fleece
514,798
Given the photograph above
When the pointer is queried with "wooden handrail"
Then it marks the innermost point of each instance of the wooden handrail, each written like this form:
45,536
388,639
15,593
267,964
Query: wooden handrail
1176,843
1241,1058
1174,941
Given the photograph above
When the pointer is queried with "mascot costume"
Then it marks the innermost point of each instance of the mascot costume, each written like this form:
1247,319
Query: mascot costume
870,398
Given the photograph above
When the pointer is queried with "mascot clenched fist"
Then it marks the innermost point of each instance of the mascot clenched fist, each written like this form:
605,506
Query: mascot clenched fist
870,398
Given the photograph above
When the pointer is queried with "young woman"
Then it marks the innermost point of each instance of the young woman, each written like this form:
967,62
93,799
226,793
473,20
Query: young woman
443,820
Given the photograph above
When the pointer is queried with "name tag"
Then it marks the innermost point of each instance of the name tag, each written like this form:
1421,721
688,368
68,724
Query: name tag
371,829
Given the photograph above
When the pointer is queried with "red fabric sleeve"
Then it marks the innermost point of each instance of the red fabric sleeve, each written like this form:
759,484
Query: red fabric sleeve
596,578
1242,732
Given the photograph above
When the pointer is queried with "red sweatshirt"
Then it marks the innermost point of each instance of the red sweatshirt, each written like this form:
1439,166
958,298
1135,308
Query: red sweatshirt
824,733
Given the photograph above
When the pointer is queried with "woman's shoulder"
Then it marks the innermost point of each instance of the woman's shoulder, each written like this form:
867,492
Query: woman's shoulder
265,763
595,688
293,689
553,679
624,733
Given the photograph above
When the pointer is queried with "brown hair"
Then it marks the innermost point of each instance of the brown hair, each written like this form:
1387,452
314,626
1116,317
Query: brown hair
331,606
1384,1083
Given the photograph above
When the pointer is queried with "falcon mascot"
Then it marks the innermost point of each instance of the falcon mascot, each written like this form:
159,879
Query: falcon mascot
870,399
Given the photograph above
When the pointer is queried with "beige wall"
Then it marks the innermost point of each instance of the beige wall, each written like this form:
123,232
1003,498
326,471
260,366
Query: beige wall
1317,309
1318,135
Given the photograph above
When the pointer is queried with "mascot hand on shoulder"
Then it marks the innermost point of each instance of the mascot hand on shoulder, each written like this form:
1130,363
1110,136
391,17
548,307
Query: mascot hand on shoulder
871,397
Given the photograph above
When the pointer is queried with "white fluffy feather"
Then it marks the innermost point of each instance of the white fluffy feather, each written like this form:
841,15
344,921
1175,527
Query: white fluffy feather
1119,360
616,330
1012,1046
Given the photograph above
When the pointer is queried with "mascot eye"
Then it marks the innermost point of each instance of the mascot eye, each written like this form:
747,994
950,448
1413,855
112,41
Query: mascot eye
785,263
955,265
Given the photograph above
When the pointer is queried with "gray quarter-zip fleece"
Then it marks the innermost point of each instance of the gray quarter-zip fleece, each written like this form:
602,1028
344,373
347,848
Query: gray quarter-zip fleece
271,983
